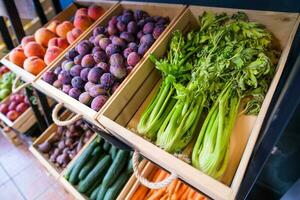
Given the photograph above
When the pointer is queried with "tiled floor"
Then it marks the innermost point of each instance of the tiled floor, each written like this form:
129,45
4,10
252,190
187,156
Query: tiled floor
23,178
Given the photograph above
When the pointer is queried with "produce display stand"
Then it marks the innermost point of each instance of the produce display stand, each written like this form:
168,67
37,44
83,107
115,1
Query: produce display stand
122,111
23,122
247,128
169,10
66,14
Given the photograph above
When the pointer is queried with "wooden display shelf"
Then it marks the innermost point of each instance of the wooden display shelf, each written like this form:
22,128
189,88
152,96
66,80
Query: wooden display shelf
136,94
55,171
24,122
66,14
166,10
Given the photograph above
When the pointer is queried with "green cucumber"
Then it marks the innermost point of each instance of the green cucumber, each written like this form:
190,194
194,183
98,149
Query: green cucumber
95,185
101,193
96,151
94,194
113,192
95,174
129,168
113,151
115,169
106,146
89,166
84,157
67,175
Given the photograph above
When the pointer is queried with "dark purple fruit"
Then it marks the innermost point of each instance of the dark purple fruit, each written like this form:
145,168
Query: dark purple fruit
88,86
119,42
77,82
107,80
64,77
119,71
126,18
96,91
66,88
133,46
115,87
71,54
84,47
75,70
104,42
148,28
104,66
74,92
132,27
112,30
57,84
95,49
100,56
133,59
143,48
85,98
121,26
139,34
112,49
77,59
98,102
88,61
95,75
49,77
147,39
127,36
84,74
57,70
98,30
158,30
116,59
127,51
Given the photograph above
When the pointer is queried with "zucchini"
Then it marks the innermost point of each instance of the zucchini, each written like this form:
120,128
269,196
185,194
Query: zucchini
129,168
95,185
94,194
113,192
115,169
113,151
67,175
95,174
106,146
89,166
101,193
96,151
84,157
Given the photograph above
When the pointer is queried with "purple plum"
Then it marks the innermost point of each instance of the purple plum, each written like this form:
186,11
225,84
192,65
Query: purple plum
133,45
84,74
139,34
67,66
84,47
126,18
98,30
147,39
116,59
95,75
97,90
112,49
100,56
88,86
158,30
112,30
98,102
95,49
77,59
148,28
132,27
49,77
85,98
133,59
104,42
74,92
119,41
57,70
127,51
143,48
115,87
119,71
77,82
75,70
103,66
113,21
107,80
71,54
66,88
88,61
57,84
64,77
121,26
127,36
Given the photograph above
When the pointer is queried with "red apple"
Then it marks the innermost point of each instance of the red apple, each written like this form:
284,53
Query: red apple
12,105
4,108
12,97
22,107
19,98
12,115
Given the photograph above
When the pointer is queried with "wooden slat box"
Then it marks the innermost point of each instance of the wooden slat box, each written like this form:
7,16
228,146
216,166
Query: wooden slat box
66,14
24,122
47,135
172,11
122,121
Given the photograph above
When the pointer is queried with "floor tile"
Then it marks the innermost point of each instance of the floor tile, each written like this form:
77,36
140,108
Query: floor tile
8,191
31,176
5,145
50,194
15,161
3,176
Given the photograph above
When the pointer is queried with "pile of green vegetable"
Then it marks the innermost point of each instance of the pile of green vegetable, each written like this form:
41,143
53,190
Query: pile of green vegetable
101,171
226,64
6,81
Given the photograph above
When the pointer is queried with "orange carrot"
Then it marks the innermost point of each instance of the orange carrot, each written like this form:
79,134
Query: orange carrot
140,193
161,176
184,196
199,196
181,190
157,194
174,196
191,193
172,186
178,186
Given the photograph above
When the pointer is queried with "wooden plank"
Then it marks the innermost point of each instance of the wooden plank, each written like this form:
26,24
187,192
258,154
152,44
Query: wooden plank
246,129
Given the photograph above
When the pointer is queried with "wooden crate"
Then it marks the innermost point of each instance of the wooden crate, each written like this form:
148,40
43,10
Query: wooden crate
66,14
47,135
172,11
121,121
25,121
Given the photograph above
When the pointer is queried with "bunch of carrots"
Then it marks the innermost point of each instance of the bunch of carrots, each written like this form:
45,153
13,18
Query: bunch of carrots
177,190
